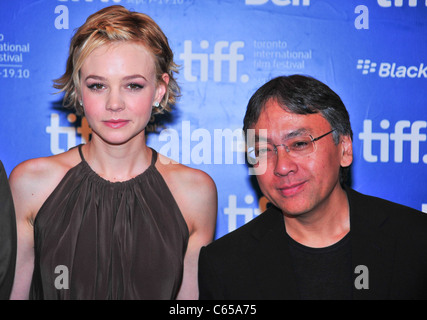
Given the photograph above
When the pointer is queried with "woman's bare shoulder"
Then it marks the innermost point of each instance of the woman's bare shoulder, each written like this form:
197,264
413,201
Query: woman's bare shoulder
44,168
33,180
194,190
184,177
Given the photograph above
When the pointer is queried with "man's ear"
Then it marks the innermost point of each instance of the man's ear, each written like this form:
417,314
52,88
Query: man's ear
346,151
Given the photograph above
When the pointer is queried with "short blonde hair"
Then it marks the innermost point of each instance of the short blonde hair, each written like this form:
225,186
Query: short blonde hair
114,24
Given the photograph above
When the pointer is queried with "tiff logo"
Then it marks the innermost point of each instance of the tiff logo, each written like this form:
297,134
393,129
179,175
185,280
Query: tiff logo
398,3
247,213
399,137
56,131
223,51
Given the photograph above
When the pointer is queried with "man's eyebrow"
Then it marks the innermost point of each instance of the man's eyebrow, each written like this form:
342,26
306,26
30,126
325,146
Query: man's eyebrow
295,133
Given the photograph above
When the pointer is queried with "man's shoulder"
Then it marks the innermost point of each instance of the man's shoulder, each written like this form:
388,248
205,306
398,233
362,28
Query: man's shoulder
369,201
373,207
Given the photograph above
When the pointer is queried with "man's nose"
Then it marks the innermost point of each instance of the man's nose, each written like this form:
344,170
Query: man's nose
284,164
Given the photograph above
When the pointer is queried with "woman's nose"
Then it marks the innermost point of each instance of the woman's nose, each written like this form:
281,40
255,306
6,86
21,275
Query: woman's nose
115,102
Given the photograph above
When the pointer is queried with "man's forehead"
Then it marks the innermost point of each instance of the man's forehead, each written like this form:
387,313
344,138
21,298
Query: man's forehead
277,123
274,113
273,110
274,117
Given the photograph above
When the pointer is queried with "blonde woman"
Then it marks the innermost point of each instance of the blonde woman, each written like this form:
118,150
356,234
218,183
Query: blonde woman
112,219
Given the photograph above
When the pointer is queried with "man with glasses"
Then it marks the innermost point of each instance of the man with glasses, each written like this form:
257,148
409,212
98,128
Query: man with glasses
319,239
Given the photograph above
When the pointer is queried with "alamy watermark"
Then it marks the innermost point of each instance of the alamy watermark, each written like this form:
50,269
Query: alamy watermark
62,280
362,280
192,145
184,145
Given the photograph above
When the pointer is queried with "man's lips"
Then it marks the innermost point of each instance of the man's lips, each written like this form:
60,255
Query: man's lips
292,189
116,123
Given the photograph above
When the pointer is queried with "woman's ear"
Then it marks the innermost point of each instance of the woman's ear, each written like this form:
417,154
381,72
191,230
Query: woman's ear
162,87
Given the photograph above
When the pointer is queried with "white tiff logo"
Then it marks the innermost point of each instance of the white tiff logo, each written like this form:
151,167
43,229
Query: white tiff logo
218,58
406,134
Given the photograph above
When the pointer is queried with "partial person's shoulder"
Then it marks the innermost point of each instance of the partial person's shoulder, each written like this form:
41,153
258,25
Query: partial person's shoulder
3,175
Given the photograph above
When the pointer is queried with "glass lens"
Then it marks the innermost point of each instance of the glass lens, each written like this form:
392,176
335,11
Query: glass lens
300,146
296,147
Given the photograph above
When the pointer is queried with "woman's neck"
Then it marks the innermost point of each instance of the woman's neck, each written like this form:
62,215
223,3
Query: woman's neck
118,162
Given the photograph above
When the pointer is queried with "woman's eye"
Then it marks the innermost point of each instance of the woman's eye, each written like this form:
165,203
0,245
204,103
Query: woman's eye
95,86
135,86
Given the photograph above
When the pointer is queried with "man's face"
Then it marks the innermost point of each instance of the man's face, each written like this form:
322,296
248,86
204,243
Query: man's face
303,184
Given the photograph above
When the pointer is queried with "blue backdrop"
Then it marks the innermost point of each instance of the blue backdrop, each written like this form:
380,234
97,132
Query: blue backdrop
372,53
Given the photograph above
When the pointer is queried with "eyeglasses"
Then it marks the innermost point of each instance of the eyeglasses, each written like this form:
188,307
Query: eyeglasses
296,147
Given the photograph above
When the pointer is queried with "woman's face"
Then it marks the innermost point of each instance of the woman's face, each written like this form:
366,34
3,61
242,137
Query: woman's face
118,89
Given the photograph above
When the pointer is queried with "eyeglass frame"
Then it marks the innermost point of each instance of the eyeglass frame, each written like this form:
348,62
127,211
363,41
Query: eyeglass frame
288,149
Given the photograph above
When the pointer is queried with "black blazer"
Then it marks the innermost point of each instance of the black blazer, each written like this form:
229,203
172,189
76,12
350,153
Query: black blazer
253,262
7,236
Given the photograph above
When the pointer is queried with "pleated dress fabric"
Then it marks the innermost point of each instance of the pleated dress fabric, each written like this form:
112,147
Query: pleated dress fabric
99,240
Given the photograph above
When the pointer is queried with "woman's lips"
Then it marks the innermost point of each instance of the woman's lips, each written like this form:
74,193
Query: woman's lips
116,124
291,190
